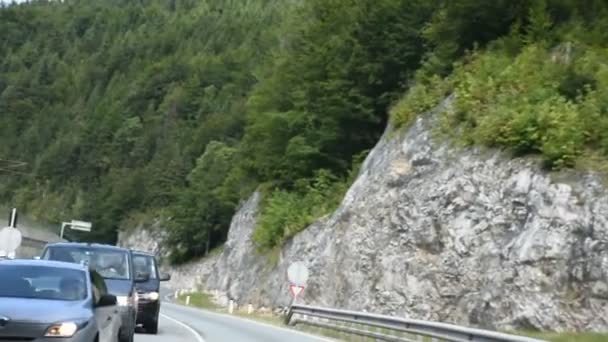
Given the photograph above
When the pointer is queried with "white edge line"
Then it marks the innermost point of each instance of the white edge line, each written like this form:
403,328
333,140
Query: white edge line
198,336
292,331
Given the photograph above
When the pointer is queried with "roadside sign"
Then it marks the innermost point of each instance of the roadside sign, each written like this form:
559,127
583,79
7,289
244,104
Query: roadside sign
81,225
297,274
76,225
295,290
10,240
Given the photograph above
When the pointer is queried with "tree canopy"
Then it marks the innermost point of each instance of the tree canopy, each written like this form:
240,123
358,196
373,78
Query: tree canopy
128,111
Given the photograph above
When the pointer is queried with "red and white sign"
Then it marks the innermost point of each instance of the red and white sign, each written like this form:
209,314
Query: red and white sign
295,290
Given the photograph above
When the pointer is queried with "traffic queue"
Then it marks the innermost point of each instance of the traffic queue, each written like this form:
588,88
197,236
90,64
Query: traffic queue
79,292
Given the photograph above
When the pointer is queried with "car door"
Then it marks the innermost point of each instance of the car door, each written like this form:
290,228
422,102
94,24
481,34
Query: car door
107,317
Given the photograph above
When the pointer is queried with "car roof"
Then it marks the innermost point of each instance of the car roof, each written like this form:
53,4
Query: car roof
144,253
45,263
87,245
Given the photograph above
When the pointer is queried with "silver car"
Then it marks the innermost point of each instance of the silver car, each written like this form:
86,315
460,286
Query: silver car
44,301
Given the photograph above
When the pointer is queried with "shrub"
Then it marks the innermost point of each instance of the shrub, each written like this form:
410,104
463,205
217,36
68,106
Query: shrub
286,213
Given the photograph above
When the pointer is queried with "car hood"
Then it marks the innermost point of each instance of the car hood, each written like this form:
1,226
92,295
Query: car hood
43,311
119,287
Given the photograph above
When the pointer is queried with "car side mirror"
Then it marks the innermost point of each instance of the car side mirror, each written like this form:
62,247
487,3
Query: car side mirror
165,277
142,277
106,300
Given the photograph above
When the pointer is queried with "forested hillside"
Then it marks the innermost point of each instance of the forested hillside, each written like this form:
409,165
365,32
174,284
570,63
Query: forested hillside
131,111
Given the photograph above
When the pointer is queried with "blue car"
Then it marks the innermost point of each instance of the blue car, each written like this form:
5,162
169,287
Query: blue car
44,301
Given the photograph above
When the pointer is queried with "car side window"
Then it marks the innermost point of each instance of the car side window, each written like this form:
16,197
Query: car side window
99,286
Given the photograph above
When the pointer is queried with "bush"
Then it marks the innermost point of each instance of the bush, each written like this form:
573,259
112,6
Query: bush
286,213
539,100
421,97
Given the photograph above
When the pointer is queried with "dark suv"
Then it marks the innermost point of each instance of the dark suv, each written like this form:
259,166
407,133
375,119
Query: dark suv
148,291
115,265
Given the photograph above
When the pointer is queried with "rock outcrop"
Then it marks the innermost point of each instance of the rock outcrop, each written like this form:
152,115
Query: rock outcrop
432,232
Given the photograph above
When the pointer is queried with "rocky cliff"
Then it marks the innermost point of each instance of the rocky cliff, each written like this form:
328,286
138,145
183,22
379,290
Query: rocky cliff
432,232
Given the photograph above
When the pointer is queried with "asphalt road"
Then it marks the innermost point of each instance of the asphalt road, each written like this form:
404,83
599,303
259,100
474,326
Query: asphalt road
168,330
185,324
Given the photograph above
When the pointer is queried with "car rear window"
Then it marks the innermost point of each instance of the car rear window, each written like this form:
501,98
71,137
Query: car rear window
39,282
109,263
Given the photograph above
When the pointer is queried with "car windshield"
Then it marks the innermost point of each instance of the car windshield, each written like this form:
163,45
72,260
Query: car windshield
110,264
144,264
40,282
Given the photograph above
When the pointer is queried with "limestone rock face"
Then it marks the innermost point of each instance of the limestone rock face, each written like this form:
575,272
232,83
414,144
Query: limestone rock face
432,232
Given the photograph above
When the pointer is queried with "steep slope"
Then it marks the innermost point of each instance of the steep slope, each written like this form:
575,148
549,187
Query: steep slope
432,232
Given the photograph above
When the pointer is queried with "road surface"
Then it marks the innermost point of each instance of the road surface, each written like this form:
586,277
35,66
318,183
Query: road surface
184,324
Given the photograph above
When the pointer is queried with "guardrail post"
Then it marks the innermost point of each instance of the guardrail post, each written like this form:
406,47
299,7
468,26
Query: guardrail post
231,307
188,300
249,309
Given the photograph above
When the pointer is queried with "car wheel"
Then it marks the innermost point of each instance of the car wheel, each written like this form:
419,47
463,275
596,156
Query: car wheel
127,338
151,327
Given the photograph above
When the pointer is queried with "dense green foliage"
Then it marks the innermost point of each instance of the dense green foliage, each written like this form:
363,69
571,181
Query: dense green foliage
540,89
131,110
128,111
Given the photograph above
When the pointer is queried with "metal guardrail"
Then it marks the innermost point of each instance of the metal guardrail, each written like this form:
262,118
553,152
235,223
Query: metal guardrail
30,248
386,328
33,242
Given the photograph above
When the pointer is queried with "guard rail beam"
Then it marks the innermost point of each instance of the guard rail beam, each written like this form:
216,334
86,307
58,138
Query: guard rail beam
30,242
386,328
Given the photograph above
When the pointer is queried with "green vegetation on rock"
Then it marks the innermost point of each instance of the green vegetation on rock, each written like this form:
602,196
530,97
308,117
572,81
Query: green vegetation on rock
129,111
541,89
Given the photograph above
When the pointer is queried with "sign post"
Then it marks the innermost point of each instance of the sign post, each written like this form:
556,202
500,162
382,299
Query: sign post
297,274
10,237
76,225
12,218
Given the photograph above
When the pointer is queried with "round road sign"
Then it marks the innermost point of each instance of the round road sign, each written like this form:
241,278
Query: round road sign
297,274
10,239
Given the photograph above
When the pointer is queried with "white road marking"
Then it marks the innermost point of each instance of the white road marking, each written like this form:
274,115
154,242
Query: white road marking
198,336
291,331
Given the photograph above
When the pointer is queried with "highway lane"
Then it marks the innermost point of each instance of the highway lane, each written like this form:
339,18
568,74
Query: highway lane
168,330
185,324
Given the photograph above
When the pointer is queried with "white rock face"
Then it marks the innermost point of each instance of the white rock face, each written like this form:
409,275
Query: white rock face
432,232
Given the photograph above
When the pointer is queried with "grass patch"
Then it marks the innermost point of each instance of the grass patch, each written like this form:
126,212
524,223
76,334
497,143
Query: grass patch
567,337
199,300
205,301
